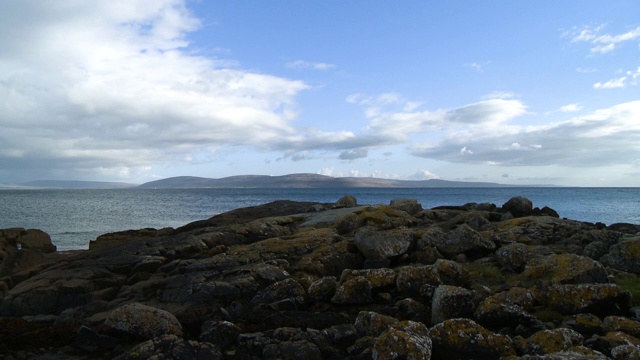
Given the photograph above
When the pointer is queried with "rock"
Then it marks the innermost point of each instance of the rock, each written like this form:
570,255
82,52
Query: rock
567,269
322,289
380,279
606,344
624,256
22,249
171,347
495,314
518,206
411,206
619,323
292,350
596,250
356,290
452,273
451,302
348,223
220,333
513,256
406,340
347,201
287,289
369,323
599,299
412,280
462,240
143,321
465,339
549,341
378,245
341,336
625,352
587,324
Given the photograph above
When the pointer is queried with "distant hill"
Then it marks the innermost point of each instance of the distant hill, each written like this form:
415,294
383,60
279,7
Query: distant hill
304,181
73,184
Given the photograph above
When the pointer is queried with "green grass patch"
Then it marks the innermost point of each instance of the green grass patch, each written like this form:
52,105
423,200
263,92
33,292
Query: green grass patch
631,284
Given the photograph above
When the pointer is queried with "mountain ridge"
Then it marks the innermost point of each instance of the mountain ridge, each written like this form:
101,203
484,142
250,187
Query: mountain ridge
305,180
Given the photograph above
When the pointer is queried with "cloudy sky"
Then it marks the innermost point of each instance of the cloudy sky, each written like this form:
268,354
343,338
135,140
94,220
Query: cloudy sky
515,92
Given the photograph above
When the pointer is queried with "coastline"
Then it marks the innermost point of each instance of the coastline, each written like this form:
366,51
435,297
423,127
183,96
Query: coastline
327,280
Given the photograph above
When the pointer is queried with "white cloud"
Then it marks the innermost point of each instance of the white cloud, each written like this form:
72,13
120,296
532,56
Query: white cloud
479,67
611,84
603,43
301,64
570,108
423,175
606,136
113,84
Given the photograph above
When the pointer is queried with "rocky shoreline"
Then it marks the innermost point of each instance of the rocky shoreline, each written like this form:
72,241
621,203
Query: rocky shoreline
292,280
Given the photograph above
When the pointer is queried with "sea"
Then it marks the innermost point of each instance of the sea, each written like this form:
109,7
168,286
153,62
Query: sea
74,217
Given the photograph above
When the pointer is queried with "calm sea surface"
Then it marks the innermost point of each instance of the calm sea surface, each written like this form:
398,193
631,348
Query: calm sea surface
73,217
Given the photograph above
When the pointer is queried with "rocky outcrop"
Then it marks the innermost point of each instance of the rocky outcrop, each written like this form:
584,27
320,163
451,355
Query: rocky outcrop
308,280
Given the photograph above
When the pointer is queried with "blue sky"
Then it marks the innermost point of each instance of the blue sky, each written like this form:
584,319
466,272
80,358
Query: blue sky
515,92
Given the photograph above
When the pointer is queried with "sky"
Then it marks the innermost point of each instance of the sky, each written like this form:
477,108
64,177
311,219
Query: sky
513,92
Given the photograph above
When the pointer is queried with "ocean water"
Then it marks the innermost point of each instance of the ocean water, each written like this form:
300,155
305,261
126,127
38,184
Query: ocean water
74,217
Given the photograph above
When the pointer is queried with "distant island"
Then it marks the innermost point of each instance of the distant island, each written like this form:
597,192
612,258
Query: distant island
299,181
304,181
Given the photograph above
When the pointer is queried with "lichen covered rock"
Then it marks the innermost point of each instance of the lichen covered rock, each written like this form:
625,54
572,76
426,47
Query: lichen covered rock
463,338
143,321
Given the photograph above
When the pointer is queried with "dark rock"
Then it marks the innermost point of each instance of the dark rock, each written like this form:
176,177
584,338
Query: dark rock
451,302
624,256
518,206
322,289
549,341
495,314
220,333
369,323
599,299
171,347
356,290
380,278
406,340
347,201
281,290
513,256
412,279
143,321
378,245
567,269
464,339
411,206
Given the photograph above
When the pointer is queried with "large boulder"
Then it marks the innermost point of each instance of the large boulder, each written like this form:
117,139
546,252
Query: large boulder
380,245
369,323
356,290
513,256
496,314
451,302
465,339
549,341
518,206
414,280
567,269
143,321
462,240
171,347
411,206
624,256
381,278
406,340
599,299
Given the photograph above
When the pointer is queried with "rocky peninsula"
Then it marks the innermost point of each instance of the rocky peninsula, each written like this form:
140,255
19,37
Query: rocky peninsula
301,280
